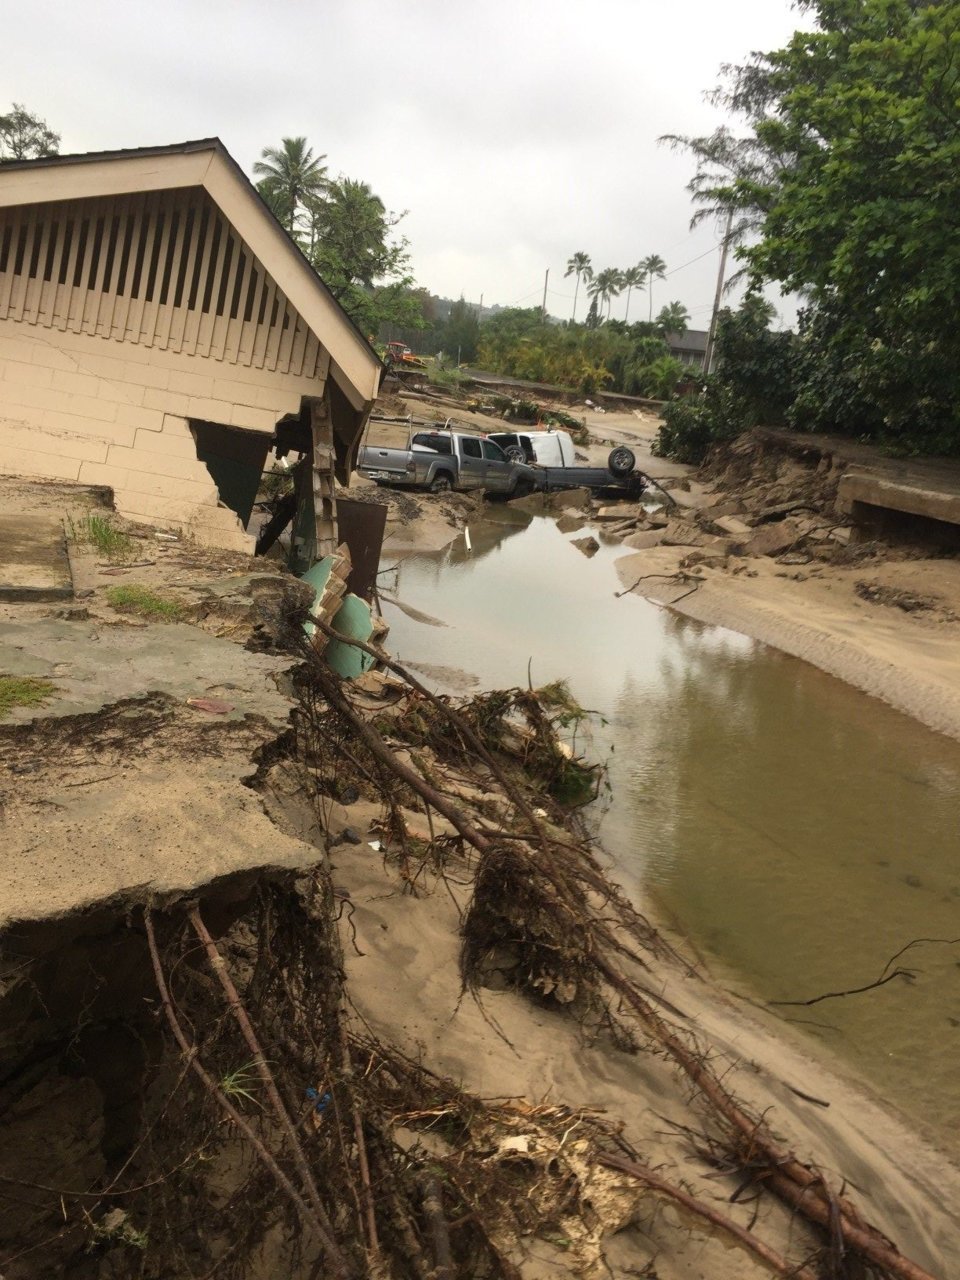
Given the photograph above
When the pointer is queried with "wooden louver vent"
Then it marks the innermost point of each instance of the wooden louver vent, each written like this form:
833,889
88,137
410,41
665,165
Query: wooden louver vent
165,269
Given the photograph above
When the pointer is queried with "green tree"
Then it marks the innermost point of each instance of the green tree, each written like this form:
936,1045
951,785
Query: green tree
849,175
673,318
362,262
605,286
653,268
632,278
578,265
461,331
26,137
292,180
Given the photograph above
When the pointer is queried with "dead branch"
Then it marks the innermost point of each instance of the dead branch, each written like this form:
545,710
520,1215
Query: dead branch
311,1221
260,1063
437,1225
851,991
776,1261
886,975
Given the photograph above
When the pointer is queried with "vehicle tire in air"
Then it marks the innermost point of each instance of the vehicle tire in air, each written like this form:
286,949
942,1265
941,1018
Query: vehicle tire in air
621,460
515,453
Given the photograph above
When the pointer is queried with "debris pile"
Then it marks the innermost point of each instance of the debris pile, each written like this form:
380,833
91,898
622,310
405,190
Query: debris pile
221,1110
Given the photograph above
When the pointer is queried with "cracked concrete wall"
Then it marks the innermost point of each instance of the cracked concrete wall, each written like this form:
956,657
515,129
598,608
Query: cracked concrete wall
74,406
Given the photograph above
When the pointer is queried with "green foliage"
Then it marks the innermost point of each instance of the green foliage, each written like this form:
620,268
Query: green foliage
633,359
673,318
290,178
753,383
102,534
850,179
26,137
579,266
23,691
653,268
460,332
347,233
140,600
755,364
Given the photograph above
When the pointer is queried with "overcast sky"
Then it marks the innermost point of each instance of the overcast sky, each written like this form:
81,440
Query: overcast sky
516,132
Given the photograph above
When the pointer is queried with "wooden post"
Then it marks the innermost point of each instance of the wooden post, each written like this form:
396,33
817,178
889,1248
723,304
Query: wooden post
324,499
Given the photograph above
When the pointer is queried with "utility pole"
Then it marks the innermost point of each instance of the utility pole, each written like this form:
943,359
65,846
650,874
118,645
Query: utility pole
712,335
543,309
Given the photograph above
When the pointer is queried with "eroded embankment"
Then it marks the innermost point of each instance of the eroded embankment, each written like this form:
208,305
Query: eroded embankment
241,1078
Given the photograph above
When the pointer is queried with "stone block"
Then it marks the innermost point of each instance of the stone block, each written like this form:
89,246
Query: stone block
730,524
644,539
83,384
30,462
23,372
770,539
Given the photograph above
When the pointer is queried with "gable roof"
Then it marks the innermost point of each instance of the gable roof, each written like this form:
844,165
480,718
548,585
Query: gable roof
689,340
207,164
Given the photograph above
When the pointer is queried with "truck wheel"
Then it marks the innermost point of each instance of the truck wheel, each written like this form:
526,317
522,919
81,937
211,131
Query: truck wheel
441,483
621,460
515,453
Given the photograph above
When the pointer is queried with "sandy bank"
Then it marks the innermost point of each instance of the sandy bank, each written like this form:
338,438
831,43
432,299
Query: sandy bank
908,660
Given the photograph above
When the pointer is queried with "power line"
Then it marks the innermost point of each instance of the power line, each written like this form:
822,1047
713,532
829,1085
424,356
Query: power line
696,259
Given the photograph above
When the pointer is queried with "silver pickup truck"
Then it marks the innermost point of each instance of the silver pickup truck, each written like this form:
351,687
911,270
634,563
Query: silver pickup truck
444,460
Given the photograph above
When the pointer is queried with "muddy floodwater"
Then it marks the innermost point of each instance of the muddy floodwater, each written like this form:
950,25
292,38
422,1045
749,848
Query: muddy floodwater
798,832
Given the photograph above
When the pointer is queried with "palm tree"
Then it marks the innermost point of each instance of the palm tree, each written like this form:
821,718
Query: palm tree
290,176
578,265
633,278
673,318
605,286
654,268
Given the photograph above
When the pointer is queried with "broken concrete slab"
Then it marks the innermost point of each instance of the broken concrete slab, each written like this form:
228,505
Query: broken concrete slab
95,664
617,511
770,539
732,525
680,533
570,521
644,539
589,546
34,565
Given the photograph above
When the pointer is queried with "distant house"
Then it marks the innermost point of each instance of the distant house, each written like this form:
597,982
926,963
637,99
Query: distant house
156,323
689,348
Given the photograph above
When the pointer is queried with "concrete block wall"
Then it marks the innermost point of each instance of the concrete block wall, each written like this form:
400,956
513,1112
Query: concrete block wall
99,411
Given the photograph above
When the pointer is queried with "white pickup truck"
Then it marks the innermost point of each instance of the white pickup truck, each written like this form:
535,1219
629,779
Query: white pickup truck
444,460
546,448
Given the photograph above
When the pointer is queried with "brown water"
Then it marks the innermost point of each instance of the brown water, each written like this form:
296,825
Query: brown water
796,830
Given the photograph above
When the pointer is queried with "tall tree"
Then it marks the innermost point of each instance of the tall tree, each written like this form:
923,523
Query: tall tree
291,178
653,268
633,278
578,265
673,318
605,286
849,175
361,259
26,137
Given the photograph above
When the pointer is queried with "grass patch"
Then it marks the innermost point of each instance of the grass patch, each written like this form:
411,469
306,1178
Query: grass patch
23,691
102,534
132,598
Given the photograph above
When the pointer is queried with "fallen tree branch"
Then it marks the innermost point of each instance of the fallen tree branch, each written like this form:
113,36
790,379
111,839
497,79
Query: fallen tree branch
311,1221
260,1063
885,976
776,1261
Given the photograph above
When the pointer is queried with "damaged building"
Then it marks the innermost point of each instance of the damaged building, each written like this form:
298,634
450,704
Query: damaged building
156,325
